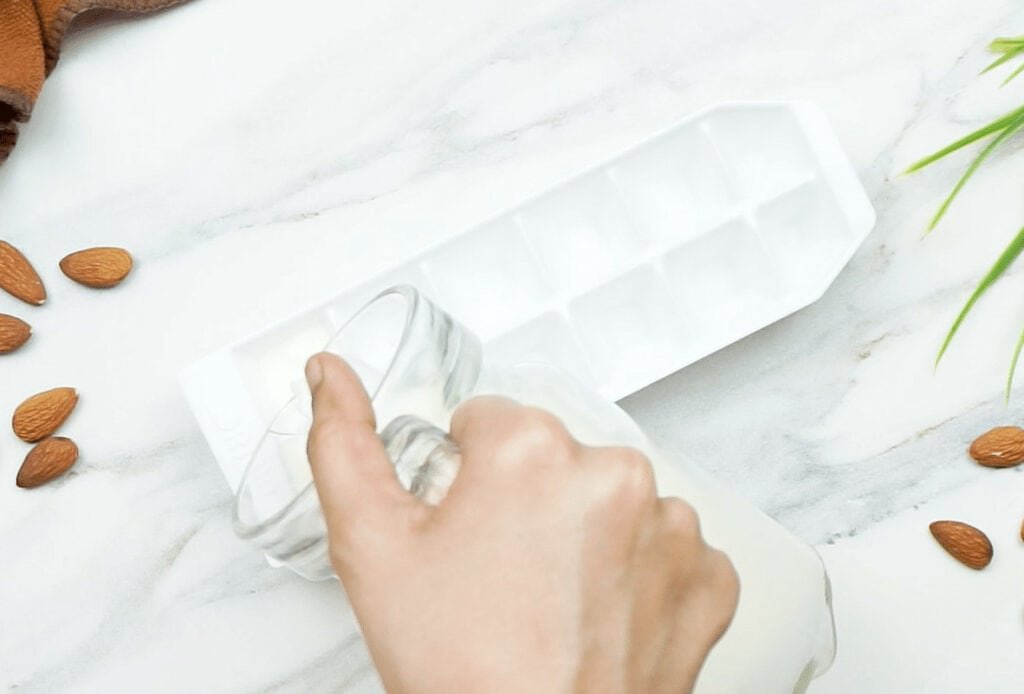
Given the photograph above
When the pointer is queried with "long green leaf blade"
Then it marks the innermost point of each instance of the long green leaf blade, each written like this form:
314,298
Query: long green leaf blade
1013,365
1002,44
1020,69
978,160
1010,48
1005,57
1004,261
985,131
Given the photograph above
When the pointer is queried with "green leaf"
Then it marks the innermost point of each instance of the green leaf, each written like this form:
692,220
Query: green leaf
1006,40
993,127
1006,57
1010,47
1002,263
1009,130
1006,44
1020,69
1013,365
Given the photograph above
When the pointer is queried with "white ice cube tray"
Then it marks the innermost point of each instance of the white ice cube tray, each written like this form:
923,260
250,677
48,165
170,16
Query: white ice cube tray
726,222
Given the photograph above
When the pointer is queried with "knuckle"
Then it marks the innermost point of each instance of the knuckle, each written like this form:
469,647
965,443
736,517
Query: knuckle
625,478
680,517
467,410
476,413
635,474
727,572
541,422
540,435
726,589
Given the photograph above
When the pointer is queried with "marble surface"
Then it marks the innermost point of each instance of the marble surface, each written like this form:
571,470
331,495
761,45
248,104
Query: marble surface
256,163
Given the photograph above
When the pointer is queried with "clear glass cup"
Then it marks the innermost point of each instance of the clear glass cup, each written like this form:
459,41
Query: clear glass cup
412,358
418,364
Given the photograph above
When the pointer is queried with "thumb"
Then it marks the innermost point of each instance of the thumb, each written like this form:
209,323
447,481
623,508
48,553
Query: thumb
354,477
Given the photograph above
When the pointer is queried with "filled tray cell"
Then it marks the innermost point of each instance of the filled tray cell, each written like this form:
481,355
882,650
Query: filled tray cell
581,233
270,363
764,149
675,185
488,279
807,235
547,339
630,329
724,281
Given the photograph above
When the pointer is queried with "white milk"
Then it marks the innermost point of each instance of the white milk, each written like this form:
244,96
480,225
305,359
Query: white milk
782,634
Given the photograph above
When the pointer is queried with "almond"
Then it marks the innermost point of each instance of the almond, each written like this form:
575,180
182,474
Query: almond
49,459
14,332
999,447
41,414
965,543
17,276
99,268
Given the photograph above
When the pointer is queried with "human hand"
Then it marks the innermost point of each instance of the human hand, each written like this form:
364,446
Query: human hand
549,567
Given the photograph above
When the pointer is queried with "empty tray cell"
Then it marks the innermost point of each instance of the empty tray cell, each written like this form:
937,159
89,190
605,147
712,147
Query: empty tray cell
724,282
487,278
345,306
675,185
581,233
548,339
807,235
630,330
763,148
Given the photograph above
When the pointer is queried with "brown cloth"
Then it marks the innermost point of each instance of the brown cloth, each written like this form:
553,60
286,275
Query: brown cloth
31,32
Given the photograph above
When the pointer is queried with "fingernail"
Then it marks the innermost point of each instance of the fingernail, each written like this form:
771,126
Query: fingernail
314,372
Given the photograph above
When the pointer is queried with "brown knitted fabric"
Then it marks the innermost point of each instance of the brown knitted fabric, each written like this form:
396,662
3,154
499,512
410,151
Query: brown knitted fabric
31,32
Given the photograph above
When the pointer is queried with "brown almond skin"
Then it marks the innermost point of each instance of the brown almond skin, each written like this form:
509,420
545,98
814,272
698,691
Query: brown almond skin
43,413
999,447
14,332
965,543
1022,532
48,460
99,268
18,278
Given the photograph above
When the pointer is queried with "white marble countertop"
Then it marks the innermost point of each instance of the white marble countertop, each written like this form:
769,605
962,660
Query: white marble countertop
257,159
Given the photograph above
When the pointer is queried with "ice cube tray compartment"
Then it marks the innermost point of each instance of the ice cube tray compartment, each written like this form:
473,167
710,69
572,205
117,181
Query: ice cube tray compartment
268,364
806,234
765,152
581,233
722,224
488,279
609,319
549,339
676,185
721,302
343,307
